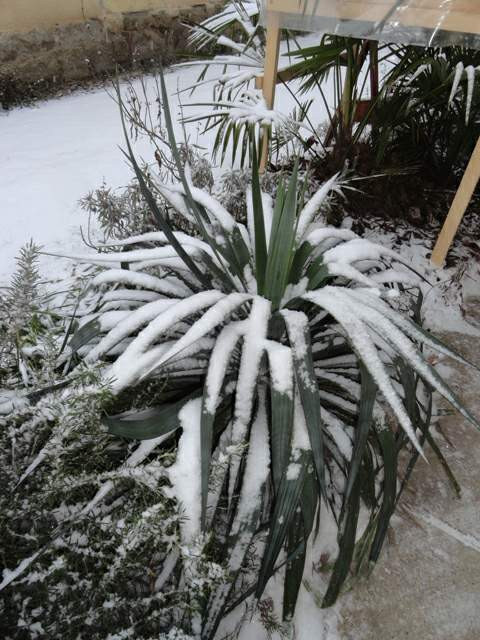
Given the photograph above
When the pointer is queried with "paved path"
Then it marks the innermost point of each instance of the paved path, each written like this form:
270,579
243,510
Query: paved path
426,585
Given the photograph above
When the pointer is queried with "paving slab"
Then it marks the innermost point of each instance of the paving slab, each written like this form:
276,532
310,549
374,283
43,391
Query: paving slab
426,585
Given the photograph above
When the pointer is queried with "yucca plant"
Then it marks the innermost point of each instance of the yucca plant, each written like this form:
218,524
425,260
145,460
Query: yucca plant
288,357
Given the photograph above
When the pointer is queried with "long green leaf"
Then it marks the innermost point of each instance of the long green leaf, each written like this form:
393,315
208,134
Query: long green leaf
302,254
259,225
296,552
152,204
191,203
247,518
282,409
367,401
389,490
149,423
299,338
286,504
351,501
85,334
280,253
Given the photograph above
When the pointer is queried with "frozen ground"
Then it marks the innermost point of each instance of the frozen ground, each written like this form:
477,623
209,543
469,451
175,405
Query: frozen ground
427,584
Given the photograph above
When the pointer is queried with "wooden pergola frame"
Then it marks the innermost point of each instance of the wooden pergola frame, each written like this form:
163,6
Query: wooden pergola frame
463,18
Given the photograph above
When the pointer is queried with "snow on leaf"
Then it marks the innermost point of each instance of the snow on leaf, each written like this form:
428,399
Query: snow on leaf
329,299
389,332
405,324
126,326
300,438
130,295
320,235
456,81
210,319
185,473
470,71
213,207
267,205
338,431
136,255
221,353
160,238
309,211
253,347
177,201
256,469
10,576
202,35
349,272
360,249
142,280
395,276
281,367
125,370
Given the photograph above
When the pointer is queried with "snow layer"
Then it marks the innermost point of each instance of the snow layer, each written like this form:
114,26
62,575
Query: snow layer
185,473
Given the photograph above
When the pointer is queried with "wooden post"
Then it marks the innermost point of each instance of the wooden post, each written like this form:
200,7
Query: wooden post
458,208
269,77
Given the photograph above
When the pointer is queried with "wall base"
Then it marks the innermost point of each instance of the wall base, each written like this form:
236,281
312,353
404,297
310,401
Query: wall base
42,62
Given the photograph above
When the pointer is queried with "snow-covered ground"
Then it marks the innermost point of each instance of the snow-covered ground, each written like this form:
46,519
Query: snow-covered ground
55,152
52,154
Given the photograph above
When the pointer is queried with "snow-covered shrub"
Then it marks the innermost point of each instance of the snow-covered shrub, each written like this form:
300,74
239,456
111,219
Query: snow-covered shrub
86,518
234,187
255,378
200,167
19,306
123,212
120,213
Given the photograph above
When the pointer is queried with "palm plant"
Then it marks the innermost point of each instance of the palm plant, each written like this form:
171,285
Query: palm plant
429,114
422,96
288,357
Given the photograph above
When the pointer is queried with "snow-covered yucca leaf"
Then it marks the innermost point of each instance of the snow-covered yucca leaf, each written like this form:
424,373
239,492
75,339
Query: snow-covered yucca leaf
299,337
282,406
282,358
149,423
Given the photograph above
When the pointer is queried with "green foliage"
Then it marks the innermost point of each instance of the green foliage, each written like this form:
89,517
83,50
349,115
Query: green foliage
92,529
424,118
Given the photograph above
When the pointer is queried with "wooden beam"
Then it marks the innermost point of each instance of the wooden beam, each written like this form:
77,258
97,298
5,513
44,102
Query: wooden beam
458,208
269,77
